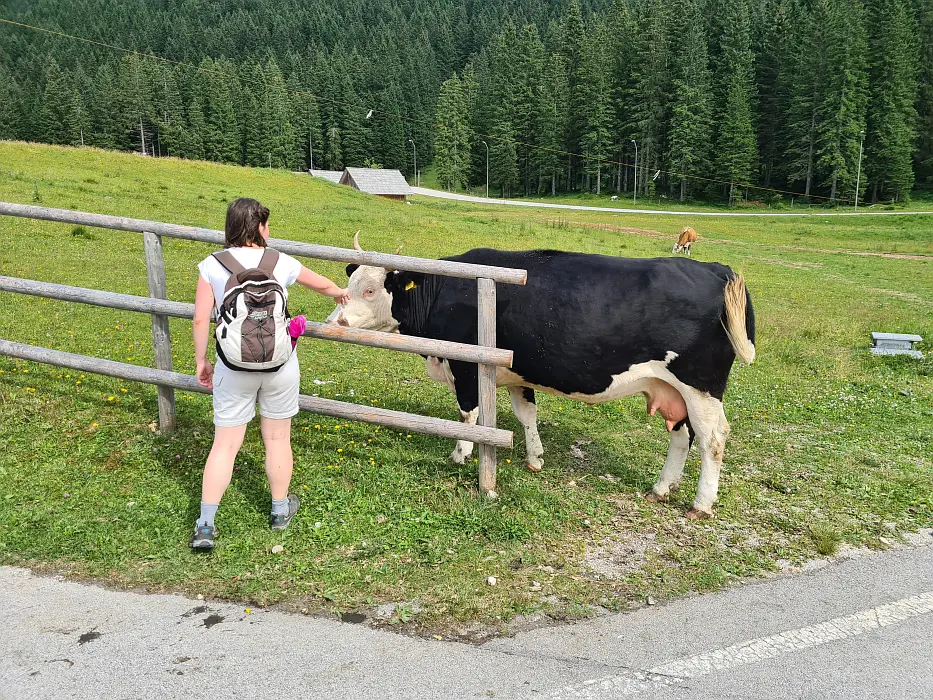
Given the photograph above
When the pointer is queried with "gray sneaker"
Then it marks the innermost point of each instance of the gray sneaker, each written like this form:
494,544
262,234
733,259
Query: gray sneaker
203,538
280,521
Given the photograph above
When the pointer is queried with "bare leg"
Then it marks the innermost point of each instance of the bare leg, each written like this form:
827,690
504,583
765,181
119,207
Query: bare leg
277,437
673,467
523,405
219,466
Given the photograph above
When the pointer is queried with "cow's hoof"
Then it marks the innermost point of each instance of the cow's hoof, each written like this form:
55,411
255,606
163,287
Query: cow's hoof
652,497
533,467
696,514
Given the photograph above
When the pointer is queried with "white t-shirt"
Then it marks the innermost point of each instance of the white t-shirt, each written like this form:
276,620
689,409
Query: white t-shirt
286,270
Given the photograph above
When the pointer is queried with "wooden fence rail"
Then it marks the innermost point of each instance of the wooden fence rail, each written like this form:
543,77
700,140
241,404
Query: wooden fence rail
506,275
485,354
322,331
314,404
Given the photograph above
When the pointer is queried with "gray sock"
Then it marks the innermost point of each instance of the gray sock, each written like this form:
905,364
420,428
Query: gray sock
208,511
280,507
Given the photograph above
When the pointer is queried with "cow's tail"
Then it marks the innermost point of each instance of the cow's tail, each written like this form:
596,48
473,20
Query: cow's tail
734,323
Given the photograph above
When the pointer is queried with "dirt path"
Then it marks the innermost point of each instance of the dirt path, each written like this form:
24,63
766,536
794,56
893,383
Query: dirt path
726,241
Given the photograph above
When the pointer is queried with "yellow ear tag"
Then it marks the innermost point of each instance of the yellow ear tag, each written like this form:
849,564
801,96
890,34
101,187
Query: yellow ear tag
411,285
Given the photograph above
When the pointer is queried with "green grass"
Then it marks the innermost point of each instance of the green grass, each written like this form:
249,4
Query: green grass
828,445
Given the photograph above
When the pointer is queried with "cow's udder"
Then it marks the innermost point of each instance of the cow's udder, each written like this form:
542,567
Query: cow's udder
661,397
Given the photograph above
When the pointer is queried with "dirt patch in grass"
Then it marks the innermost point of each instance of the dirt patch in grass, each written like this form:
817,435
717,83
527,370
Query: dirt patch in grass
620,558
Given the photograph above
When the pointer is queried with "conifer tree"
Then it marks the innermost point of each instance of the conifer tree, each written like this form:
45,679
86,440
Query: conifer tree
736,158
596,92
256,144
691,106
106,127
9,100
623,46
59,116
651,91
197,128
841,115
222,126
773,54
552,114
891,133
572,36
305,116
805,73
924,156
171,120
451,147
388,134
528,52
333,152
279,133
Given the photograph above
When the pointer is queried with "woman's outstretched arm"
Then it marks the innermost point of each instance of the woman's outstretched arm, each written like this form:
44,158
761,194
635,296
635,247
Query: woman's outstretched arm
322,285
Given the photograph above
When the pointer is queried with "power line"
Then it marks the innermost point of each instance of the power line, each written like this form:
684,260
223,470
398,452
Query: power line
605,161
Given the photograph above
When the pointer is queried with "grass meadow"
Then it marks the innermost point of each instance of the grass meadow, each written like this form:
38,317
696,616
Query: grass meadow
830,447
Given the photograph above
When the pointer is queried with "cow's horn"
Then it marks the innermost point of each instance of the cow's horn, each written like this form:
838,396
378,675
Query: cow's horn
356,242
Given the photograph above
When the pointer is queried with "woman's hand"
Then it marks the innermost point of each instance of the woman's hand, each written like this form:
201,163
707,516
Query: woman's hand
205,373
344,297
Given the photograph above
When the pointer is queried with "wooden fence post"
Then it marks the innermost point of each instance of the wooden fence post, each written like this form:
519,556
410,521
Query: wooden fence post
161,340
486,336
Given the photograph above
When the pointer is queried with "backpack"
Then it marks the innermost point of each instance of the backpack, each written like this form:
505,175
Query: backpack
252,326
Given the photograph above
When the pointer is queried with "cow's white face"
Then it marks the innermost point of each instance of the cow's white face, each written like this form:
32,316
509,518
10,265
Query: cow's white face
370,304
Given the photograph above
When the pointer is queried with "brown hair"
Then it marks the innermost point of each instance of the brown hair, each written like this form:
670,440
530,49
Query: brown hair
244,217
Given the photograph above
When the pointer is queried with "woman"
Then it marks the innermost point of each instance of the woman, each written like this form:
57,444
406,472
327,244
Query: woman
237,392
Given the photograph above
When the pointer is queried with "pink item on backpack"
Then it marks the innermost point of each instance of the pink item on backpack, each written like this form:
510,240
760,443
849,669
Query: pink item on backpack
296,327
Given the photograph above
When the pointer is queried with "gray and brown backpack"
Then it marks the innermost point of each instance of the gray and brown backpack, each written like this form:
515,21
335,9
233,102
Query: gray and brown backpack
252,327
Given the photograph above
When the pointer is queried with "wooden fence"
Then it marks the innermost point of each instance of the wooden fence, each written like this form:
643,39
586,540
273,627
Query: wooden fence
485,353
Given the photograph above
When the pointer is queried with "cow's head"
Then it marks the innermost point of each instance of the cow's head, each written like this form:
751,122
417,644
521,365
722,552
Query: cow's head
370,290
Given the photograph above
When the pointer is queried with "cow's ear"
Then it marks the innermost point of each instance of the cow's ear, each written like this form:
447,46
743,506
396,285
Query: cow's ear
351,269
403,281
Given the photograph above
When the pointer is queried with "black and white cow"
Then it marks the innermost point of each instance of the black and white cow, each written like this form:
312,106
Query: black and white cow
586,327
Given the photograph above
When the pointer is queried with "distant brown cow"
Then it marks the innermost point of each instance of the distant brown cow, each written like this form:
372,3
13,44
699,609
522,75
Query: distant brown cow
687,237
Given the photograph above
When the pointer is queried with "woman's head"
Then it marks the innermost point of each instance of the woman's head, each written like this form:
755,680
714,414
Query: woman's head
247,224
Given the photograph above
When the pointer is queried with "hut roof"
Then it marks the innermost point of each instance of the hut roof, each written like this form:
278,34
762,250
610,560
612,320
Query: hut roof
376,181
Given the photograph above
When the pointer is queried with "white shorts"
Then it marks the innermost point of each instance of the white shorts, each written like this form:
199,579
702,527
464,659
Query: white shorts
236,393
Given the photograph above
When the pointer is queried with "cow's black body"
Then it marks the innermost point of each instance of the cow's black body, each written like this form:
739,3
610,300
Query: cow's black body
581,318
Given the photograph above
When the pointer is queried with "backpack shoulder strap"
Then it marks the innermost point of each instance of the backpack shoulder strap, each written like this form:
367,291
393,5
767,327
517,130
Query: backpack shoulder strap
269,260
230,263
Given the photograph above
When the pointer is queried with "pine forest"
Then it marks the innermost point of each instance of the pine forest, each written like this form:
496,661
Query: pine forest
712,100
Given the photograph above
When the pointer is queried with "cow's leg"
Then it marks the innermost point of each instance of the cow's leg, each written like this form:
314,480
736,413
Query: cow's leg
673,469
464,448
708,421
466,387
523,404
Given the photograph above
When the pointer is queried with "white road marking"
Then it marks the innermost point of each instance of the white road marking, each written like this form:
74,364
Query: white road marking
751,651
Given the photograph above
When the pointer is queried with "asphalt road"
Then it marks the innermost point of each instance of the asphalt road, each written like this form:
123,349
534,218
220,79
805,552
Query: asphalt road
855,628
427,192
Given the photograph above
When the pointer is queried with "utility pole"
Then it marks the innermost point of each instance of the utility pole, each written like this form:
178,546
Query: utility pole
270,160
415,152
310,151
142,137
487,168
858,177
635,192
